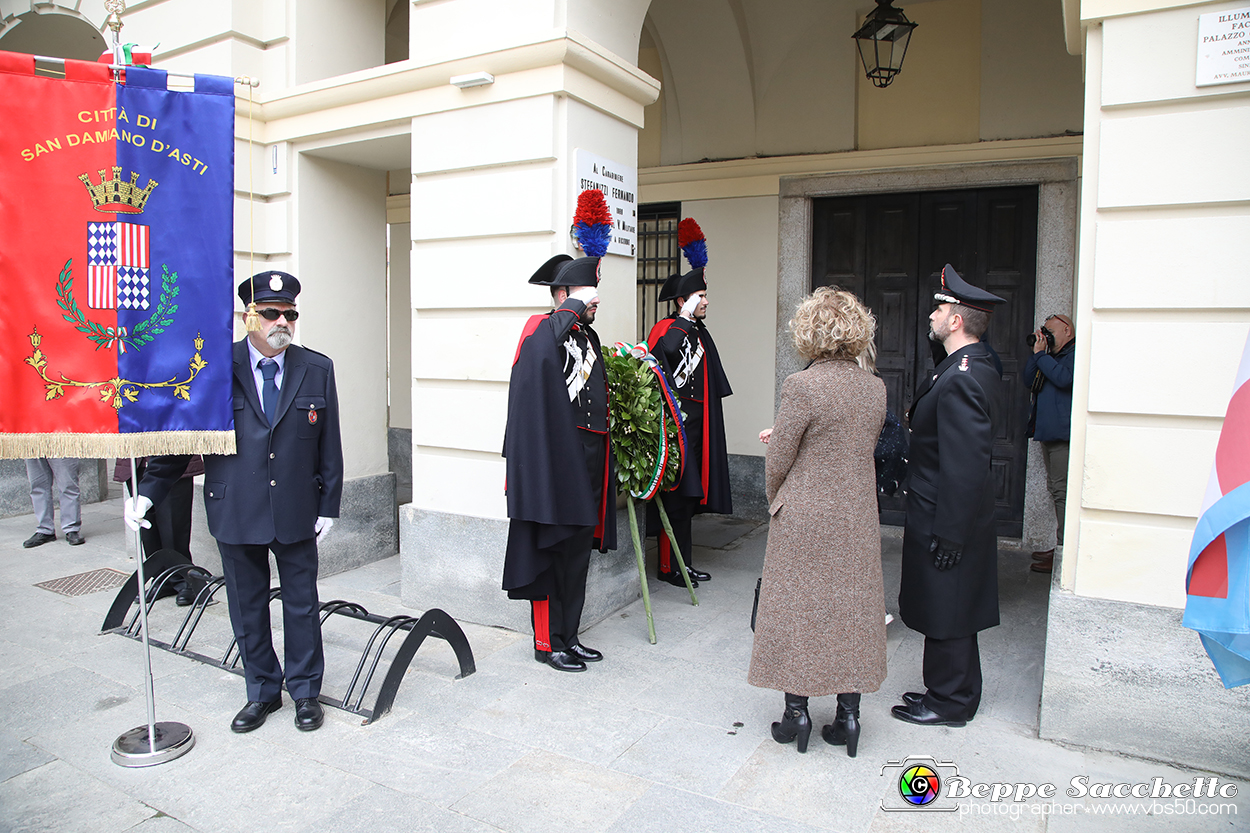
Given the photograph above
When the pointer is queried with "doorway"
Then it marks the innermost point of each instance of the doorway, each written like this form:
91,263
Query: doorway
889,250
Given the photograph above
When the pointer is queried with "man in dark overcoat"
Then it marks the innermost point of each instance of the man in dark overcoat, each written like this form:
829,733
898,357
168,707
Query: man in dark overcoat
949,587
560,473
277,493
688,354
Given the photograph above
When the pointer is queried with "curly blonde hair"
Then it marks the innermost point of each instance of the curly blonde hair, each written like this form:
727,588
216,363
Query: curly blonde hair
832,323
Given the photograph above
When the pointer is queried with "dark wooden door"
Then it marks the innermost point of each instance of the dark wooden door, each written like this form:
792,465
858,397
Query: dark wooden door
889,250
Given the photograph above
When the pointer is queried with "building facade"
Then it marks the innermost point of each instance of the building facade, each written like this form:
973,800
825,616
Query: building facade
1059,151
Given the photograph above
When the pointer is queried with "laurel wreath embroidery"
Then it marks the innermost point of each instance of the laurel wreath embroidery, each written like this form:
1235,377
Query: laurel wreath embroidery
116,391
144,332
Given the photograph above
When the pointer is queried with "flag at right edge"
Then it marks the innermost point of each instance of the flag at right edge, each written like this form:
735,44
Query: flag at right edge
1217,582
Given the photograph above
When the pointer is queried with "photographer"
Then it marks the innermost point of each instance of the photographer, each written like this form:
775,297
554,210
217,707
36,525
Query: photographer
1049,373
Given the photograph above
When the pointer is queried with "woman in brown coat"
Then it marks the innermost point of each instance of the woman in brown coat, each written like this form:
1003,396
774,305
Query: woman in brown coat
820,628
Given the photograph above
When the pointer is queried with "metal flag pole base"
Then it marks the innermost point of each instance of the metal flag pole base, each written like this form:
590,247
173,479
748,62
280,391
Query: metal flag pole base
152,743
169,740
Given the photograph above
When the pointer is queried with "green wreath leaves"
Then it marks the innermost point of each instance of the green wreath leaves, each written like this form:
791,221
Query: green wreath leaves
637,417
144,332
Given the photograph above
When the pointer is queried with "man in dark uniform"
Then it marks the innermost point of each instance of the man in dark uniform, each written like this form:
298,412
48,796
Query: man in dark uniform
687,353
561,477
277,493
949,588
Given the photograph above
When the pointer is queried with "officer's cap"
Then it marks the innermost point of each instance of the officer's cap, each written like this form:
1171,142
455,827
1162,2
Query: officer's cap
682,286
956,290
269,286
563,270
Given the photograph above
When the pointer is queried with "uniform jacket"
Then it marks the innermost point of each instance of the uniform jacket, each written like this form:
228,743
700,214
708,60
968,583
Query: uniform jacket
547,480
821,622
1052,409
950,493
279,480
666,339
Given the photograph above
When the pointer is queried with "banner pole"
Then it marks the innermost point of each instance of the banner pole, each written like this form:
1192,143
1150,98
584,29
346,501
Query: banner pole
154,743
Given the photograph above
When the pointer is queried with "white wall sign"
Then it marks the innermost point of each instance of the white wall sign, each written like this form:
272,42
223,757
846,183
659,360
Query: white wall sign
619,184
1223,47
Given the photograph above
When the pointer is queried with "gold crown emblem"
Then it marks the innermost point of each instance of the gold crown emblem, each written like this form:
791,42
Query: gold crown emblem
112,196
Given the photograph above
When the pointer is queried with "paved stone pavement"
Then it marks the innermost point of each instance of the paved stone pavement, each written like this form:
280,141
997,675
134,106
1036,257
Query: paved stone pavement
655,738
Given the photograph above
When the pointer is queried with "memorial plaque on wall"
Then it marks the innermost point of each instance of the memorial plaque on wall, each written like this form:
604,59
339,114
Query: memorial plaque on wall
1223,47
619,184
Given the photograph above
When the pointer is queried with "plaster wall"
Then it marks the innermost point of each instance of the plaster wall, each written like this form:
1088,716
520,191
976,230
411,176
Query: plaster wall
519,158
399,327
1145,430
742,284
341,264
335,37
936,98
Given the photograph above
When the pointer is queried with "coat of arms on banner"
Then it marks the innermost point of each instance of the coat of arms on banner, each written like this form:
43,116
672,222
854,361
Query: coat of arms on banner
118,277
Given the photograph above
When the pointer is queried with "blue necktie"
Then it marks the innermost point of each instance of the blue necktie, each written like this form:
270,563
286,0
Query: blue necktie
269,390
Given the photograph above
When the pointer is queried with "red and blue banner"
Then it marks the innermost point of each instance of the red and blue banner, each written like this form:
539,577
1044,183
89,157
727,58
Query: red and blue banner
116,262
1217,582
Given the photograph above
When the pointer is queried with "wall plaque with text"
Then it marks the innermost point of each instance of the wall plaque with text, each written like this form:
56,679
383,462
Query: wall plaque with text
1223,47
619,184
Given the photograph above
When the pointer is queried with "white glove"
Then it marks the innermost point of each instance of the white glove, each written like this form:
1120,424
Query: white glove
322,528
587,295
133,510
692,303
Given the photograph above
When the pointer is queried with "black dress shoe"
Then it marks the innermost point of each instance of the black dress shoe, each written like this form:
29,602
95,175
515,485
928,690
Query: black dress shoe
252,716
186,595
564,661
922,715
915,698
74,539
308,714
584,654
674,578
696,575
39,539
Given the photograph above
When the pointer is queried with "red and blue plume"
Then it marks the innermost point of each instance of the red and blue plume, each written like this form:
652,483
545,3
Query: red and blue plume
593,222
692,242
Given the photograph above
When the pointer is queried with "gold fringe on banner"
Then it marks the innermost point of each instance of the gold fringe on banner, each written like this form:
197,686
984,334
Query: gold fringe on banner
147,444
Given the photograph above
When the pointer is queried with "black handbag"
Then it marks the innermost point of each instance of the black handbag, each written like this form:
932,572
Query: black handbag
755,608
890,455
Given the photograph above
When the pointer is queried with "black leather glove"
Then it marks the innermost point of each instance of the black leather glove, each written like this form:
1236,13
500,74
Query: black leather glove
946,554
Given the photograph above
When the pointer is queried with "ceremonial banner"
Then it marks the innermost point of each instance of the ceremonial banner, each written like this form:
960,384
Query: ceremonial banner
116,262
1217,583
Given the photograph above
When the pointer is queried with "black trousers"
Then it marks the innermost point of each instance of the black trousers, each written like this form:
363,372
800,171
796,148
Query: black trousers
558,618
170,523
246,570
952,675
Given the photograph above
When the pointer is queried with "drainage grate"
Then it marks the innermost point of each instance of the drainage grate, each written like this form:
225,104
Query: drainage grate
84,583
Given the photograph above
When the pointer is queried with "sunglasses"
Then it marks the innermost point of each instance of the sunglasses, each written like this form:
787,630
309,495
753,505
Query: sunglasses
271,314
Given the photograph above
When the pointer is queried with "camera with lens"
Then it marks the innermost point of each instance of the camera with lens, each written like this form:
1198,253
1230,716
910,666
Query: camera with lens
1050,339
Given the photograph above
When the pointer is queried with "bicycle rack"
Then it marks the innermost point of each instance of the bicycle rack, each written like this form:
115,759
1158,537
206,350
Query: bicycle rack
165,565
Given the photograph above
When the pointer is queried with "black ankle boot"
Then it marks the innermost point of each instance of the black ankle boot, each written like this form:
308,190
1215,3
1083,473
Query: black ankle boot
845,726
794,722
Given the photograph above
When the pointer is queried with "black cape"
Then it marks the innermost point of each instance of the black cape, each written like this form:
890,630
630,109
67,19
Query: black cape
547,485
717,498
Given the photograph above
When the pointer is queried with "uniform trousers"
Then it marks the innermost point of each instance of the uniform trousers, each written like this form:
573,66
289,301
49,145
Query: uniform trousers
557,618
45,473
681,503
246,571
952,675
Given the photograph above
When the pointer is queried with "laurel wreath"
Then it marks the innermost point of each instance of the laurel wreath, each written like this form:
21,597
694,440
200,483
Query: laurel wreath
144,332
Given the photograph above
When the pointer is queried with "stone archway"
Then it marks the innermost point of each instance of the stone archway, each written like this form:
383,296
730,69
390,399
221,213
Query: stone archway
57,31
